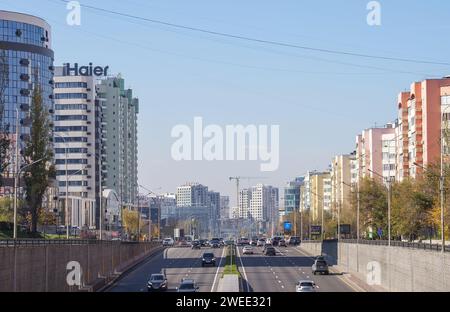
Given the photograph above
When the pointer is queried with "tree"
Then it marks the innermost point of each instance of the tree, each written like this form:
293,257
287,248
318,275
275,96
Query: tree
38,149
373,206
131,222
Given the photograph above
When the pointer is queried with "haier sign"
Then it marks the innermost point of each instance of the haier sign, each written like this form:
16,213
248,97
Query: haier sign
89,70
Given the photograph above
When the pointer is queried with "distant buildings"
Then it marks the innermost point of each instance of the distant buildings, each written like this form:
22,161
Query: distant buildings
225,211
194,200
260,203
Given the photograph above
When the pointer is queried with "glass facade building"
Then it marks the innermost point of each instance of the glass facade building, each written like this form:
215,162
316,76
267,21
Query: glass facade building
26,60
292,195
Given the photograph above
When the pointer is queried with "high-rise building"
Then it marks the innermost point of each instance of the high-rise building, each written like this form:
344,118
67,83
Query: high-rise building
422,112
369,152
26,61
75,145
260,204
119,138
341,182
225,212
193,194
292,196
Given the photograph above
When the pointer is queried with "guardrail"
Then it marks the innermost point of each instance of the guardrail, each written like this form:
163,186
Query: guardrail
395,243
415,245
35,242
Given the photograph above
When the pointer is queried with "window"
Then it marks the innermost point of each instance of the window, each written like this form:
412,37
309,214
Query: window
70,106
70,117
65,96
445,100
70,128
76,84
70,139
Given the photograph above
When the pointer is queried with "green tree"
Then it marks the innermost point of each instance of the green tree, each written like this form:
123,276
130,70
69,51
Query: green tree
373,206
38,149
410,209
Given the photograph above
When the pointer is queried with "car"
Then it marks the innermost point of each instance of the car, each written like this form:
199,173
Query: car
229,242
320,258
261,242
282,243
168,242
214,243
196,245
202,242
305,286
270,251
157,282
187,285
266,245
276,240
247,250
243,241
294,240
183,243
320,266
208,258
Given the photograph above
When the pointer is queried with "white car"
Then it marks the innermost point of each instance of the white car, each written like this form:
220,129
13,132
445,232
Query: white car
247,250
168,242
305,286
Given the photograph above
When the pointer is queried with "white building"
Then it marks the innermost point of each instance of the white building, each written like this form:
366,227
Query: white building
75,145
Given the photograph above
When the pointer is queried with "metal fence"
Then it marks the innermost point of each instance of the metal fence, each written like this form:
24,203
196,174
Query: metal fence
36,242
415,245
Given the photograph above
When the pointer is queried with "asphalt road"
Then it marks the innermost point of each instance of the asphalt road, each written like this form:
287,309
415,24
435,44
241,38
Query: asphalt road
280,273
177,263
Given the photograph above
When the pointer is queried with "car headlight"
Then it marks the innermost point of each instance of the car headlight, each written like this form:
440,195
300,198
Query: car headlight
203,259
213,259
150,284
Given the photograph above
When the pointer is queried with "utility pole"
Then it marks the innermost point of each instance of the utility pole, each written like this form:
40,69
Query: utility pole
16,176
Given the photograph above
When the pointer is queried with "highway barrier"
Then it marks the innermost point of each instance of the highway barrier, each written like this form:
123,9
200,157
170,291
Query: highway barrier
67,266
401,267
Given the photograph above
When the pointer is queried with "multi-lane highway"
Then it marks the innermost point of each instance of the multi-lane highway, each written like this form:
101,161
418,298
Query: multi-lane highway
176,263
260,273
280,273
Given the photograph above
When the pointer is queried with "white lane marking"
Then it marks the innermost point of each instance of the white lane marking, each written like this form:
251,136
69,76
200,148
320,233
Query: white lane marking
279,282
317,286
276,276
243,270
217,271
282,286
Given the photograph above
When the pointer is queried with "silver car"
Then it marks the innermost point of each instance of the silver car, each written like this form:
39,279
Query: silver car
305,286
187,285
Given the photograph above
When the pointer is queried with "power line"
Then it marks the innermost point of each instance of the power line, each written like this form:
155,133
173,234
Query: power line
263,41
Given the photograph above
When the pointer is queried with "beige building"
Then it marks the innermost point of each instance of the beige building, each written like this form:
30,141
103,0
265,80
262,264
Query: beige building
341,182
319,194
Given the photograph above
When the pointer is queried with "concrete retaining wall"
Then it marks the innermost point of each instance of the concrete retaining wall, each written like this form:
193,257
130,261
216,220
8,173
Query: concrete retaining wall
43,268
392,268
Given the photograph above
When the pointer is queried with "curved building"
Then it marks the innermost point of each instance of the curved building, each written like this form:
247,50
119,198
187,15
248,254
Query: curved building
26,58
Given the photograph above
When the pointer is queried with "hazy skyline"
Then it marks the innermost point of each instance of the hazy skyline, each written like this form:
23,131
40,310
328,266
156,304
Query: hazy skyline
320,101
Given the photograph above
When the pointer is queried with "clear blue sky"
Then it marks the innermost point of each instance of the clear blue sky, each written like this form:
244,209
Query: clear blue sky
320,101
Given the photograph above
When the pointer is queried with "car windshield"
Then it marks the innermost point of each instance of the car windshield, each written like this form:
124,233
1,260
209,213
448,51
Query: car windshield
158,277
208,255
306,284
321,263
187,286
